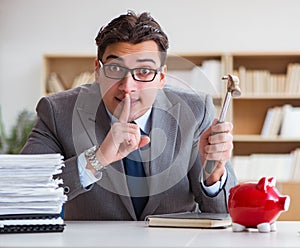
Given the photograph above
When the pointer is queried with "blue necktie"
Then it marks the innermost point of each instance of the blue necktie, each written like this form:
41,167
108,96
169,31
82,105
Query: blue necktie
136,181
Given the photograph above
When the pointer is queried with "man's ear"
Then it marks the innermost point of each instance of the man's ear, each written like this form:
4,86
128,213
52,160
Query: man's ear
162,75
97,64
96,70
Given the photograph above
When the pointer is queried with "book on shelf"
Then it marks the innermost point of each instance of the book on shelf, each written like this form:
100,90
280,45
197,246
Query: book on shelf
205,78
179,78
282,121
290,122
212,70
190,219
272,122
256,166
54,83
293,78
83,78
263,82
284,167
295,165
31,199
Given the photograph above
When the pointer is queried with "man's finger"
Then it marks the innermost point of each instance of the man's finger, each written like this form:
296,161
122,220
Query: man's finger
144,141
124,116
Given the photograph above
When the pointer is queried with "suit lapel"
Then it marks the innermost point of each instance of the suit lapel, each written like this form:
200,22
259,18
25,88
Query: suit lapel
163,136
84,117
94,124
164,139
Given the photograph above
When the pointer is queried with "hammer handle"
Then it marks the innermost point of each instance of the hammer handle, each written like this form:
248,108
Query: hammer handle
210,164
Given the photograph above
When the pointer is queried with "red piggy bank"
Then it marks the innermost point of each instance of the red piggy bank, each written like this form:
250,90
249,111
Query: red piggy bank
256,205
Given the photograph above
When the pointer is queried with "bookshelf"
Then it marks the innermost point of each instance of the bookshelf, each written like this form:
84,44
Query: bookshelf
67,67
202,72
263,81
248,119
266,82
249,111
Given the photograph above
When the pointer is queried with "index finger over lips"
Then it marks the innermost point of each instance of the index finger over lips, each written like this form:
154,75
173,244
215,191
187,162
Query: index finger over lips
124,116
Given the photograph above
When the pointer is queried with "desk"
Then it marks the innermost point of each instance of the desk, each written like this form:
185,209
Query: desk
137,234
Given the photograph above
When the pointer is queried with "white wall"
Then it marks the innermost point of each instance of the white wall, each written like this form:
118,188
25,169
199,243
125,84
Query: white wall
30,28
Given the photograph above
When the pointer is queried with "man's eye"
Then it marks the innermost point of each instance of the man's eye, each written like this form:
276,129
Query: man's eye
114,68
144,71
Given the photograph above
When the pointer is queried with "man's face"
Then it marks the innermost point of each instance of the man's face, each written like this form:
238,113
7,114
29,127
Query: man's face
142,94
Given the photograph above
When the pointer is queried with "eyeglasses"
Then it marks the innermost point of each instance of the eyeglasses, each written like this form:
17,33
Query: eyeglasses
143,74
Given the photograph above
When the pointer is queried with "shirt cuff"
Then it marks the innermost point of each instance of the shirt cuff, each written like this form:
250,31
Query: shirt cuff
86,177
216,187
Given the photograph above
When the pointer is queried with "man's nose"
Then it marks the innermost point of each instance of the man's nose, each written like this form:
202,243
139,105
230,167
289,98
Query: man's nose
128,84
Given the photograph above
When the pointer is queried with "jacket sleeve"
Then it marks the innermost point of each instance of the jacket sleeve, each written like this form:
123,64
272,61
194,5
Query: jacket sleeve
43,137
49,136
217,203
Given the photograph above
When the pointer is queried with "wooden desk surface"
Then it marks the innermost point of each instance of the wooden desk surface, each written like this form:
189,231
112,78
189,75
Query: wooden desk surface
137,234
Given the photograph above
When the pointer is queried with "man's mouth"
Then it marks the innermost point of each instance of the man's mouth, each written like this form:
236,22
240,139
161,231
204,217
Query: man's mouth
133,101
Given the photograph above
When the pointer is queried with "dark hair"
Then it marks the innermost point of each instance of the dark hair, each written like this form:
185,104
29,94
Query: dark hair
134,29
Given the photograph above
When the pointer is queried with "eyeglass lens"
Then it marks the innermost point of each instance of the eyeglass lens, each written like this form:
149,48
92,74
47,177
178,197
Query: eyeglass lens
120,72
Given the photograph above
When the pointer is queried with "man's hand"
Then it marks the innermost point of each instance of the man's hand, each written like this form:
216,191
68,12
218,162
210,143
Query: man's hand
215,143
122,139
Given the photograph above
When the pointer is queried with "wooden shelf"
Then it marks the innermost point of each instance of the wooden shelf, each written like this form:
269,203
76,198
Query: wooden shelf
274,62
67,67
259,138
188,61
248,147
267,97
248,113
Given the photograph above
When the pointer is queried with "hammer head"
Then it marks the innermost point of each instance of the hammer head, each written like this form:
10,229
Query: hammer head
233,85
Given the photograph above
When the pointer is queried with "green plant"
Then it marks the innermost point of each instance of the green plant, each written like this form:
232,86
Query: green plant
13,143
3,143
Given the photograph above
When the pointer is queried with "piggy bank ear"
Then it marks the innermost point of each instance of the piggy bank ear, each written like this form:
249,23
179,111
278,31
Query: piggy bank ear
272,182
264,183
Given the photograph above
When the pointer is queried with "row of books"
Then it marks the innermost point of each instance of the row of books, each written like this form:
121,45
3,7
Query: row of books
31,199
262,82
205,78
284,167
282,121
56,84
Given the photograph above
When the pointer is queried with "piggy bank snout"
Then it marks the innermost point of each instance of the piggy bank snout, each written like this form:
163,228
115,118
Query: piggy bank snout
284,202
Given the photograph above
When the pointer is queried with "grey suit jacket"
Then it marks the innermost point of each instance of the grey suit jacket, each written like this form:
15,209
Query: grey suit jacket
72,121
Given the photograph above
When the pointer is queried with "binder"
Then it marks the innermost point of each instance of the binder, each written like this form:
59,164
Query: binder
31,223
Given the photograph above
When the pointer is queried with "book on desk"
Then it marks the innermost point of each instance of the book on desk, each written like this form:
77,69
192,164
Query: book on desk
190,219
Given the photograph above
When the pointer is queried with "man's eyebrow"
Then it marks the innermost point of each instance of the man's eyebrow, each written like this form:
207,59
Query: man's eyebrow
146,60
112,56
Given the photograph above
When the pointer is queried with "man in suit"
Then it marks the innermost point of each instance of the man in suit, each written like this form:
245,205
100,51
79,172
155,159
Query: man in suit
128,110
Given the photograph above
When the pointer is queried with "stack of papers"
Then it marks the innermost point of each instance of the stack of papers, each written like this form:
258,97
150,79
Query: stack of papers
31,199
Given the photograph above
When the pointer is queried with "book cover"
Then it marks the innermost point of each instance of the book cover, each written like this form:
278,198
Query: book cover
190,219
291,119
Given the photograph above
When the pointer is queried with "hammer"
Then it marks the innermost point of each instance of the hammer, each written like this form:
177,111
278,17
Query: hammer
233,90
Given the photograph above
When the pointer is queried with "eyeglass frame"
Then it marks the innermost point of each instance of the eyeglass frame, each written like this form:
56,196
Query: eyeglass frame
131,70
